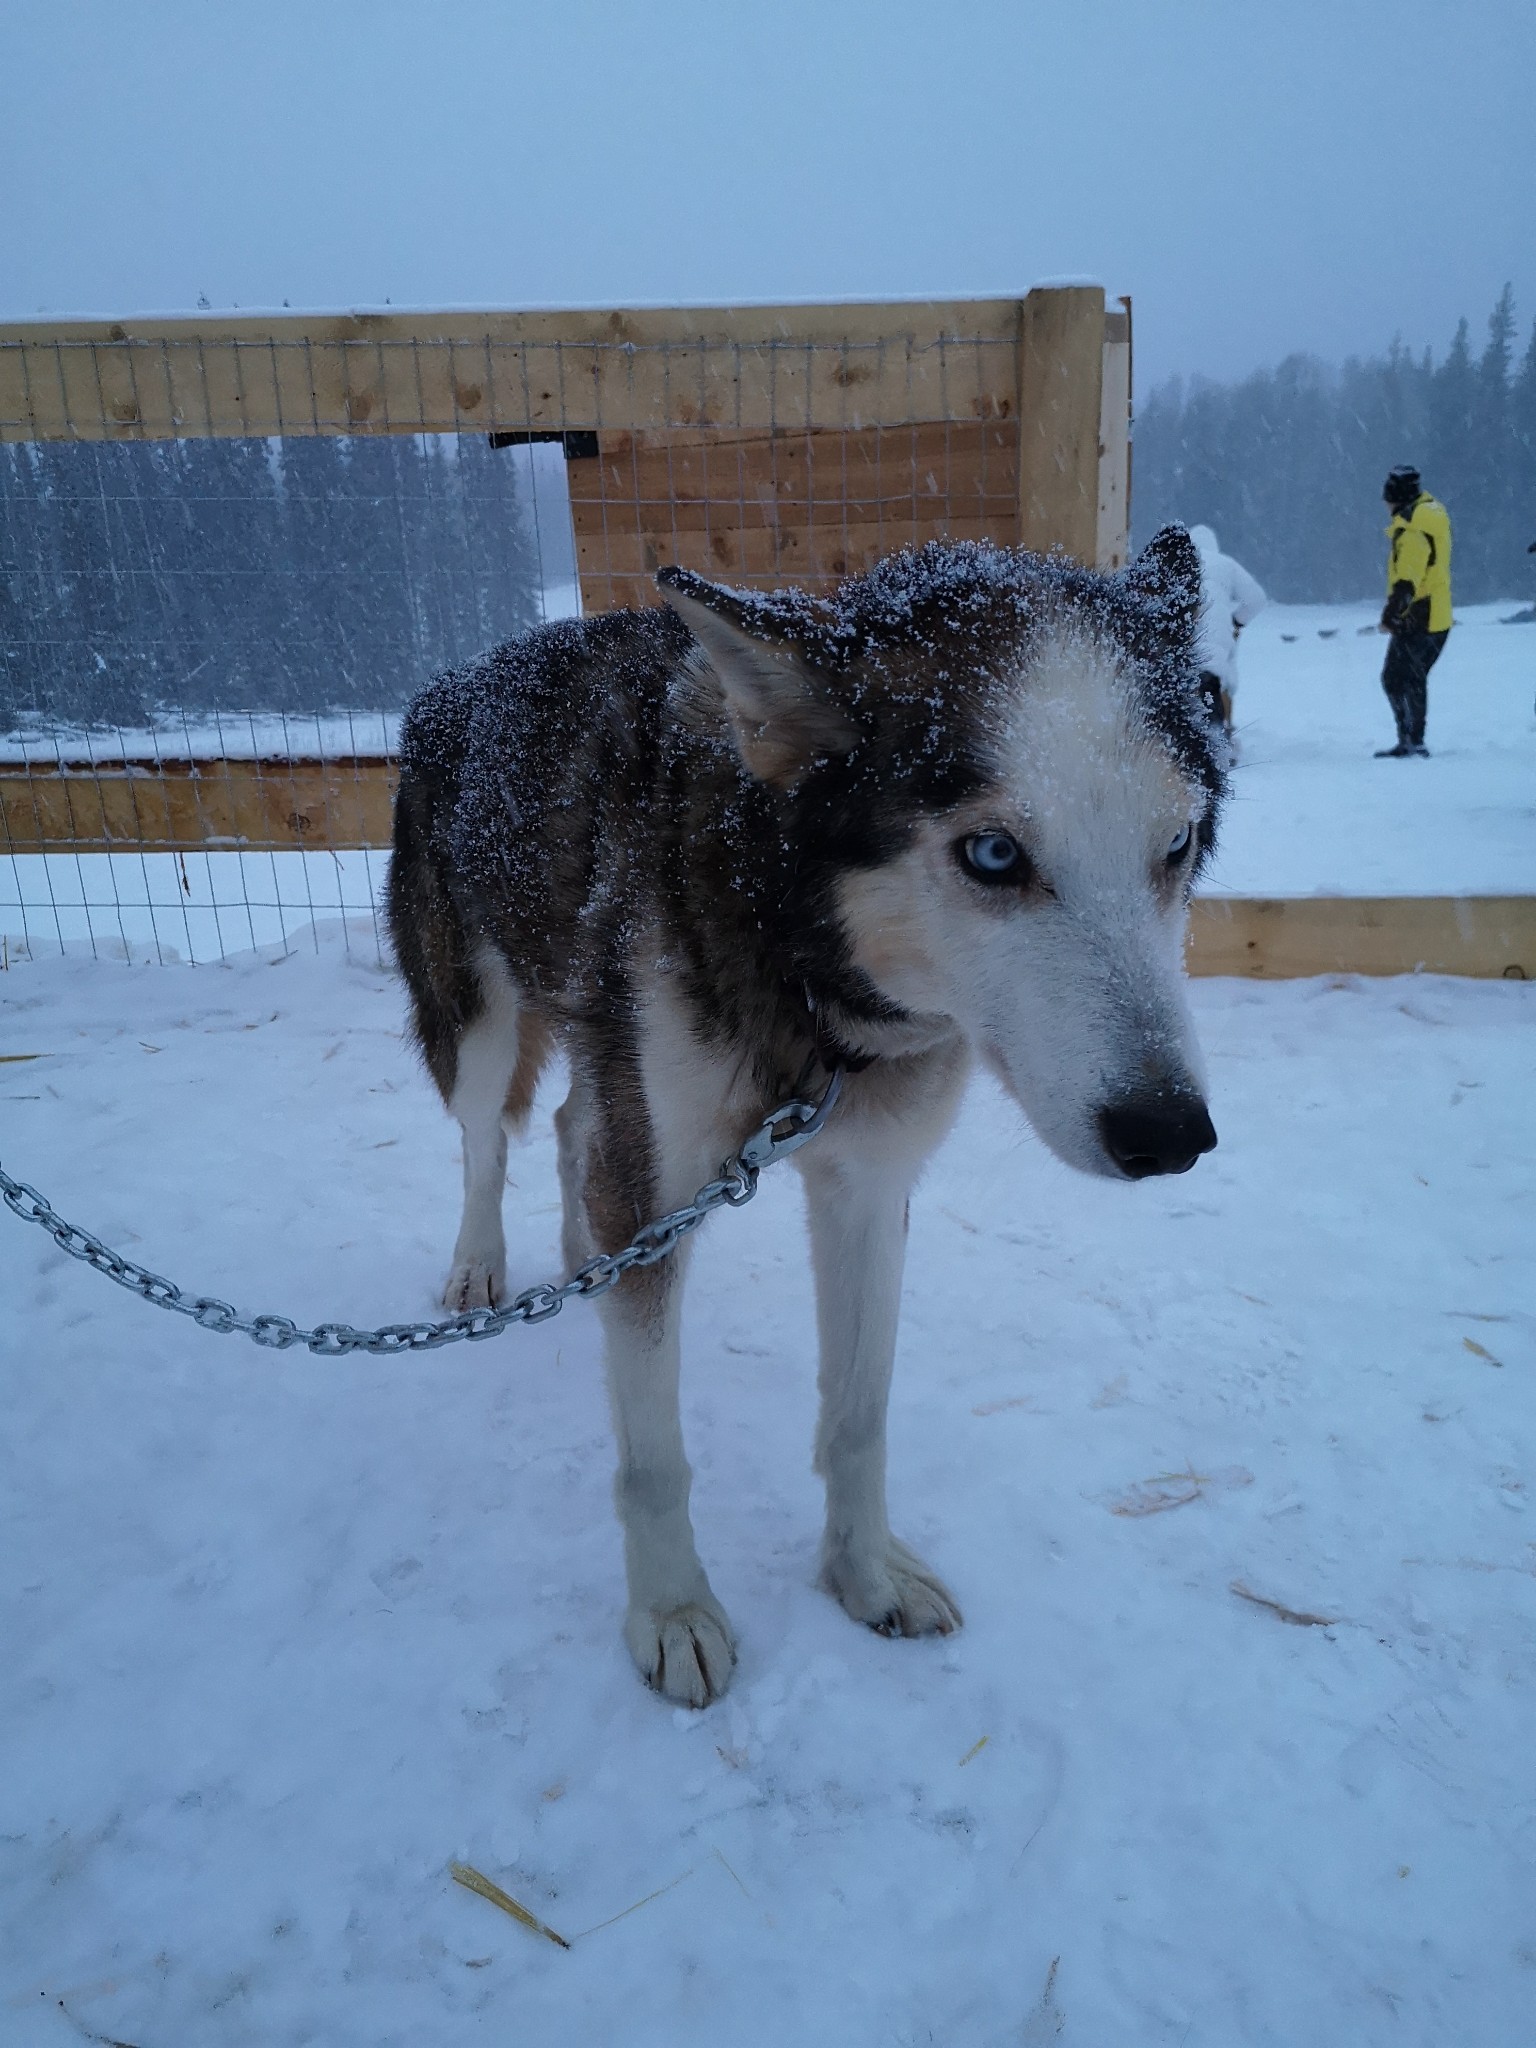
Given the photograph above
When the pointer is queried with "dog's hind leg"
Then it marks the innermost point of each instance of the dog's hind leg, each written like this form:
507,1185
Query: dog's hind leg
487,1067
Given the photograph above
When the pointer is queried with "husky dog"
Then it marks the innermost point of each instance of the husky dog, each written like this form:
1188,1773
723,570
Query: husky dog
711,852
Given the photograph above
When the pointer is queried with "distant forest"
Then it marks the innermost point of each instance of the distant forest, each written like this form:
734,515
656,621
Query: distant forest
143,581
1287,465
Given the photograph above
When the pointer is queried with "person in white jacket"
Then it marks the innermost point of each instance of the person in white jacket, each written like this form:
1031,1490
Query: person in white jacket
1231,598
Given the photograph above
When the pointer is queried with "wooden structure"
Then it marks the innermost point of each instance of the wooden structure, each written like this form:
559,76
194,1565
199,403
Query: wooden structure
767,444
762,445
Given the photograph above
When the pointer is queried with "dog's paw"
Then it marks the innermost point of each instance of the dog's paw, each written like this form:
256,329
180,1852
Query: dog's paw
892,1592
686,1654
474,1283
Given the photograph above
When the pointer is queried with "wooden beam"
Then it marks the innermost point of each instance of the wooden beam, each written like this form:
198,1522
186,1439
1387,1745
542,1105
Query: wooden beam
174,806
743,367
793,549
1284,938
1114,524
688,480
1061,374
770,509
813,321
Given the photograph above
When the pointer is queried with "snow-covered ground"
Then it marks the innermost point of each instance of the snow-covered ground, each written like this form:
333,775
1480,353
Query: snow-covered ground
285,1637
1312,812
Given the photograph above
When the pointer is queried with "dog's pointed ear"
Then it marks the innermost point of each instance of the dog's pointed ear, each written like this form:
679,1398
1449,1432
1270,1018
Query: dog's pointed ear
781,712
1165,580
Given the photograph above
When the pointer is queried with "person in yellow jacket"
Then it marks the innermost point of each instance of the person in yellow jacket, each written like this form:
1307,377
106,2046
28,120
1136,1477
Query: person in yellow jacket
1418,608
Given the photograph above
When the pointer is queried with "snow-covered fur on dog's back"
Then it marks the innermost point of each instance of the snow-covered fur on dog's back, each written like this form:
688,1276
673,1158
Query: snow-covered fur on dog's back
955,809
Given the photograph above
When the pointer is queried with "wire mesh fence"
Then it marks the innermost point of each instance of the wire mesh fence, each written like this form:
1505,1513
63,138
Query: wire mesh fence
205,648
229,554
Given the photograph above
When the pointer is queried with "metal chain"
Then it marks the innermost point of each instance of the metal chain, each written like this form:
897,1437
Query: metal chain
732,1187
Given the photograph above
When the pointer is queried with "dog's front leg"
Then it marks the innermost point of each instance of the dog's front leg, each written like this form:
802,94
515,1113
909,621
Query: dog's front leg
677,1631
858,1240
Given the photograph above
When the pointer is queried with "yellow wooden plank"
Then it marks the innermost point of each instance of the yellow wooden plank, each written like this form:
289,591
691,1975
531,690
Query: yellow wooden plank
822,478
1061,371
916,501
823,321
792,548
606,591
1282,938
771,509
839,366
173,806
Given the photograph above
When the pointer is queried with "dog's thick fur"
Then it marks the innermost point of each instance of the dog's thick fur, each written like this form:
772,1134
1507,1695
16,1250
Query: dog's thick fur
709,850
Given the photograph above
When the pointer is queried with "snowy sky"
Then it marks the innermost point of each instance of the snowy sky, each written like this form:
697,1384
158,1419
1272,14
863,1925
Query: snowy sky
1318,174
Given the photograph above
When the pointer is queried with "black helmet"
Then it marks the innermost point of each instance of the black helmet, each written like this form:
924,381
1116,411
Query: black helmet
1402,485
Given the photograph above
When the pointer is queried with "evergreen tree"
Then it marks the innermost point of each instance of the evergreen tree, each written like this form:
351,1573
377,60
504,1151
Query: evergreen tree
1484,484
1522,438
141,583
1452,422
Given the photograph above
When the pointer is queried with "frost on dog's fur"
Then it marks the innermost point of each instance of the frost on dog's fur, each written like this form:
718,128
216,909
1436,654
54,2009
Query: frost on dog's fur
709,850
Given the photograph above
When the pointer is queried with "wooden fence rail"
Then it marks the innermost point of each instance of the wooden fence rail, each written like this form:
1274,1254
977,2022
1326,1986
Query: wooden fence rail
1283,938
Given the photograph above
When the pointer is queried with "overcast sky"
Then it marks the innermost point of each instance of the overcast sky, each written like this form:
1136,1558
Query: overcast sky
1302,174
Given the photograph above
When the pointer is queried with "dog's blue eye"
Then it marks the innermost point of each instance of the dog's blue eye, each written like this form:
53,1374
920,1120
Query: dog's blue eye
1180,846
993,857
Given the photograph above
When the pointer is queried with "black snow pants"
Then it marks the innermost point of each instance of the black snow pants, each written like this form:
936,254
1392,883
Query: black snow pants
1411,654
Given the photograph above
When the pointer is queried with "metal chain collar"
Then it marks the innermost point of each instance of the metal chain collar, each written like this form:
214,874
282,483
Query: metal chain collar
733,1187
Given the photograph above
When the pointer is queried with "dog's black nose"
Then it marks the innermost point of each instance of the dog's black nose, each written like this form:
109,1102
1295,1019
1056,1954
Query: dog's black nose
1147,1137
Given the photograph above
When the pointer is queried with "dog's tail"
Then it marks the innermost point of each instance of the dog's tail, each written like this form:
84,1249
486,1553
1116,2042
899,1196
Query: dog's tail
431,942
